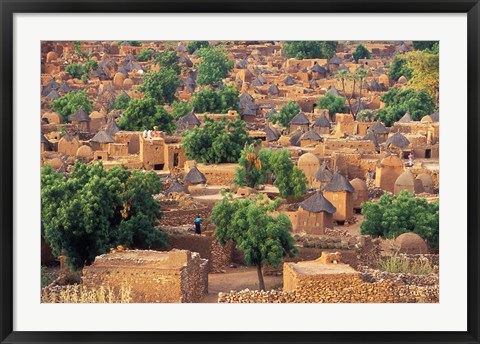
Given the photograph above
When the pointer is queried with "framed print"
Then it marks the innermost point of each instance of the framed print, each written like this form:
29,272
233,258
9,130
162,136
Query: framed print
239,172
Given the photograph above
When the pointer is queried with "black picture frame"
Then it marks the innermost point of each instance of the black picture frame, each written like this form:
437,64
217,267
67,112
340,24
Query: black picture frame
10,7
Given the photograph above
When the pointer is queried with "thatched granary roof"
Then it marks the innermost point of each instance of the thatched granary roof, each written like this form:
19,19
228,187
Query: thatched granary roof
323,175
294,140
318,203
300,119
405,118
311,135
190,119
435,116
53,95
288,80
333,91
378,128
272,134
112,127
316,68
271,112
397,140
257,82
322,122
273,89
80,116
335,60
64,88
247,112
371,137
177,187
339,183
194,176
241,64
102,137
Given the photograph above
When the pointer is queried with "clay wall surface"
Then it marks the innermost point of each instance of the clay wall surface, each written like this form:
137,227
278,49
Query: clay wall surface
174,276
222,174
343,201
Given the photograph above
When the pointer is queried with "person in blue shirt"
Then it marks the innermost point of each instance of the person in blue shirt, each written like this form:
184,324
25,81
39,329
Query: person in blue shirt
198,221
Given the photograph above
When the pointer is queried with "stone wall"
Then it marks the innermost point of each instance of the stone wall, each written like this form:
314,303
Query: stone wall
182,217
153,276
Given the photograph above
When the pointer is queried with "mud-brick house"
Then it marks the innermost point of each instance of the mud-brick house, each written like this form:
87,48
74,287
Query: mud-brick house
299,122
360,193
68,145
81,119
380,131
387,171
314,215
339,191
322,125
309,164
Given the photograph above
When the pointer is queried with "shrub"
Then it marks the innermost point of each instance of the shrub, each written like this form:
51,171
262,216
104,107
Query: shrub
397,264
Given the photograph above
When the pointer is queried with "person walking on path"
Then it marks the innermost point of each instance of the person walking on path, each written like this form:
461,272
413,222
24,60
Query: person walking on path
198,222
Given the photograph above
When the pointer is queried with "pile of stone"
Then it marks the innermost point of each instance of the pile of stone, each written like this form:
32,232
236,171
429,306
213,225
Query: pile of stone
221,256
370,274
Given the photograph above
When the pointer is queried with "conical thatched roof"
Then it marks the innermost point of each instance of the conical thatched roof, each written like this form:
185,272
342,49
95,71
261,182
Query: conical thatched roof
273,89
339,183
190,119
378,128
311,135
318,69
435,116
112,127
323,175
371,137
53,95
80,116
177,187
294,140
335,60
257,82
102,137
271,112
247,112
64,88
318,203
322,122
272,134
194,176
300,119
333,91
406,118
288,80
397,140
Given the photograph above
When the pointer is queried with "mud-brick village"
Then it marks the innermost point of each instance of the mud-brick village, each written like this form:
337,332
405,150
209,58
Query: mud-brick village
239,171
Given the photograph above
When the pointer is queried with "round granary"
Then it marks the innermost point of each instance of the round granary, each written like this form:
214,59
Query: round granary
411,243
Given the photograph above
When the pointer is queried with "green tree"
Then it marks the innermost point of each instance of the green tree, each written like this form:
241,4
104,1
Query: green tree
366,115
310,49
286,113
196,45
121,102
262,238
214,66
334,104
216,141
212,101
168,59
425,72
399,67
81,71
93,209
399,101
71,102
423,45
361,53
181,108
394,215
145,55
161,86
144,114
253,167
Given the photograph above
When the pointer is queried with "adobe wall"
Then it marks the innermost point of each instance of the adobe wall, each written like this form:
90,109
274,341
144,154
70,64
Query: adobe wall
182,217
131,138
348,287
313,223
174,276
343,201
222,174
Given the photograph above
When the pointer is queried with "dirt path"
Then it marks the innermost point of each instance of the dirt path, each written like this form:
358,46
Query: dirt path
237,279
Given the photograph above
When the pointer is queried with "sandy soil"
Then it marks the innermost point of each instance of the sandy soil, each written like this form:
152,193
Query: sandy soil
237,279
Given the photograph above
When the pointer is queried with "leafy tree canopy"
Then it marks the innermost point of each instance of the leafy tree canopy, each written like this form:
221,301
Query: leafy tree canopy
121,102
394,215
161,86
145,55
181,108
196,45
425,72
361,53
71,102
211,101
144,114
168,59
399,67
286,113
269,166
216,141
399,101
214,66
334,104
310,49
81,71
423,45
262,238
93,209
